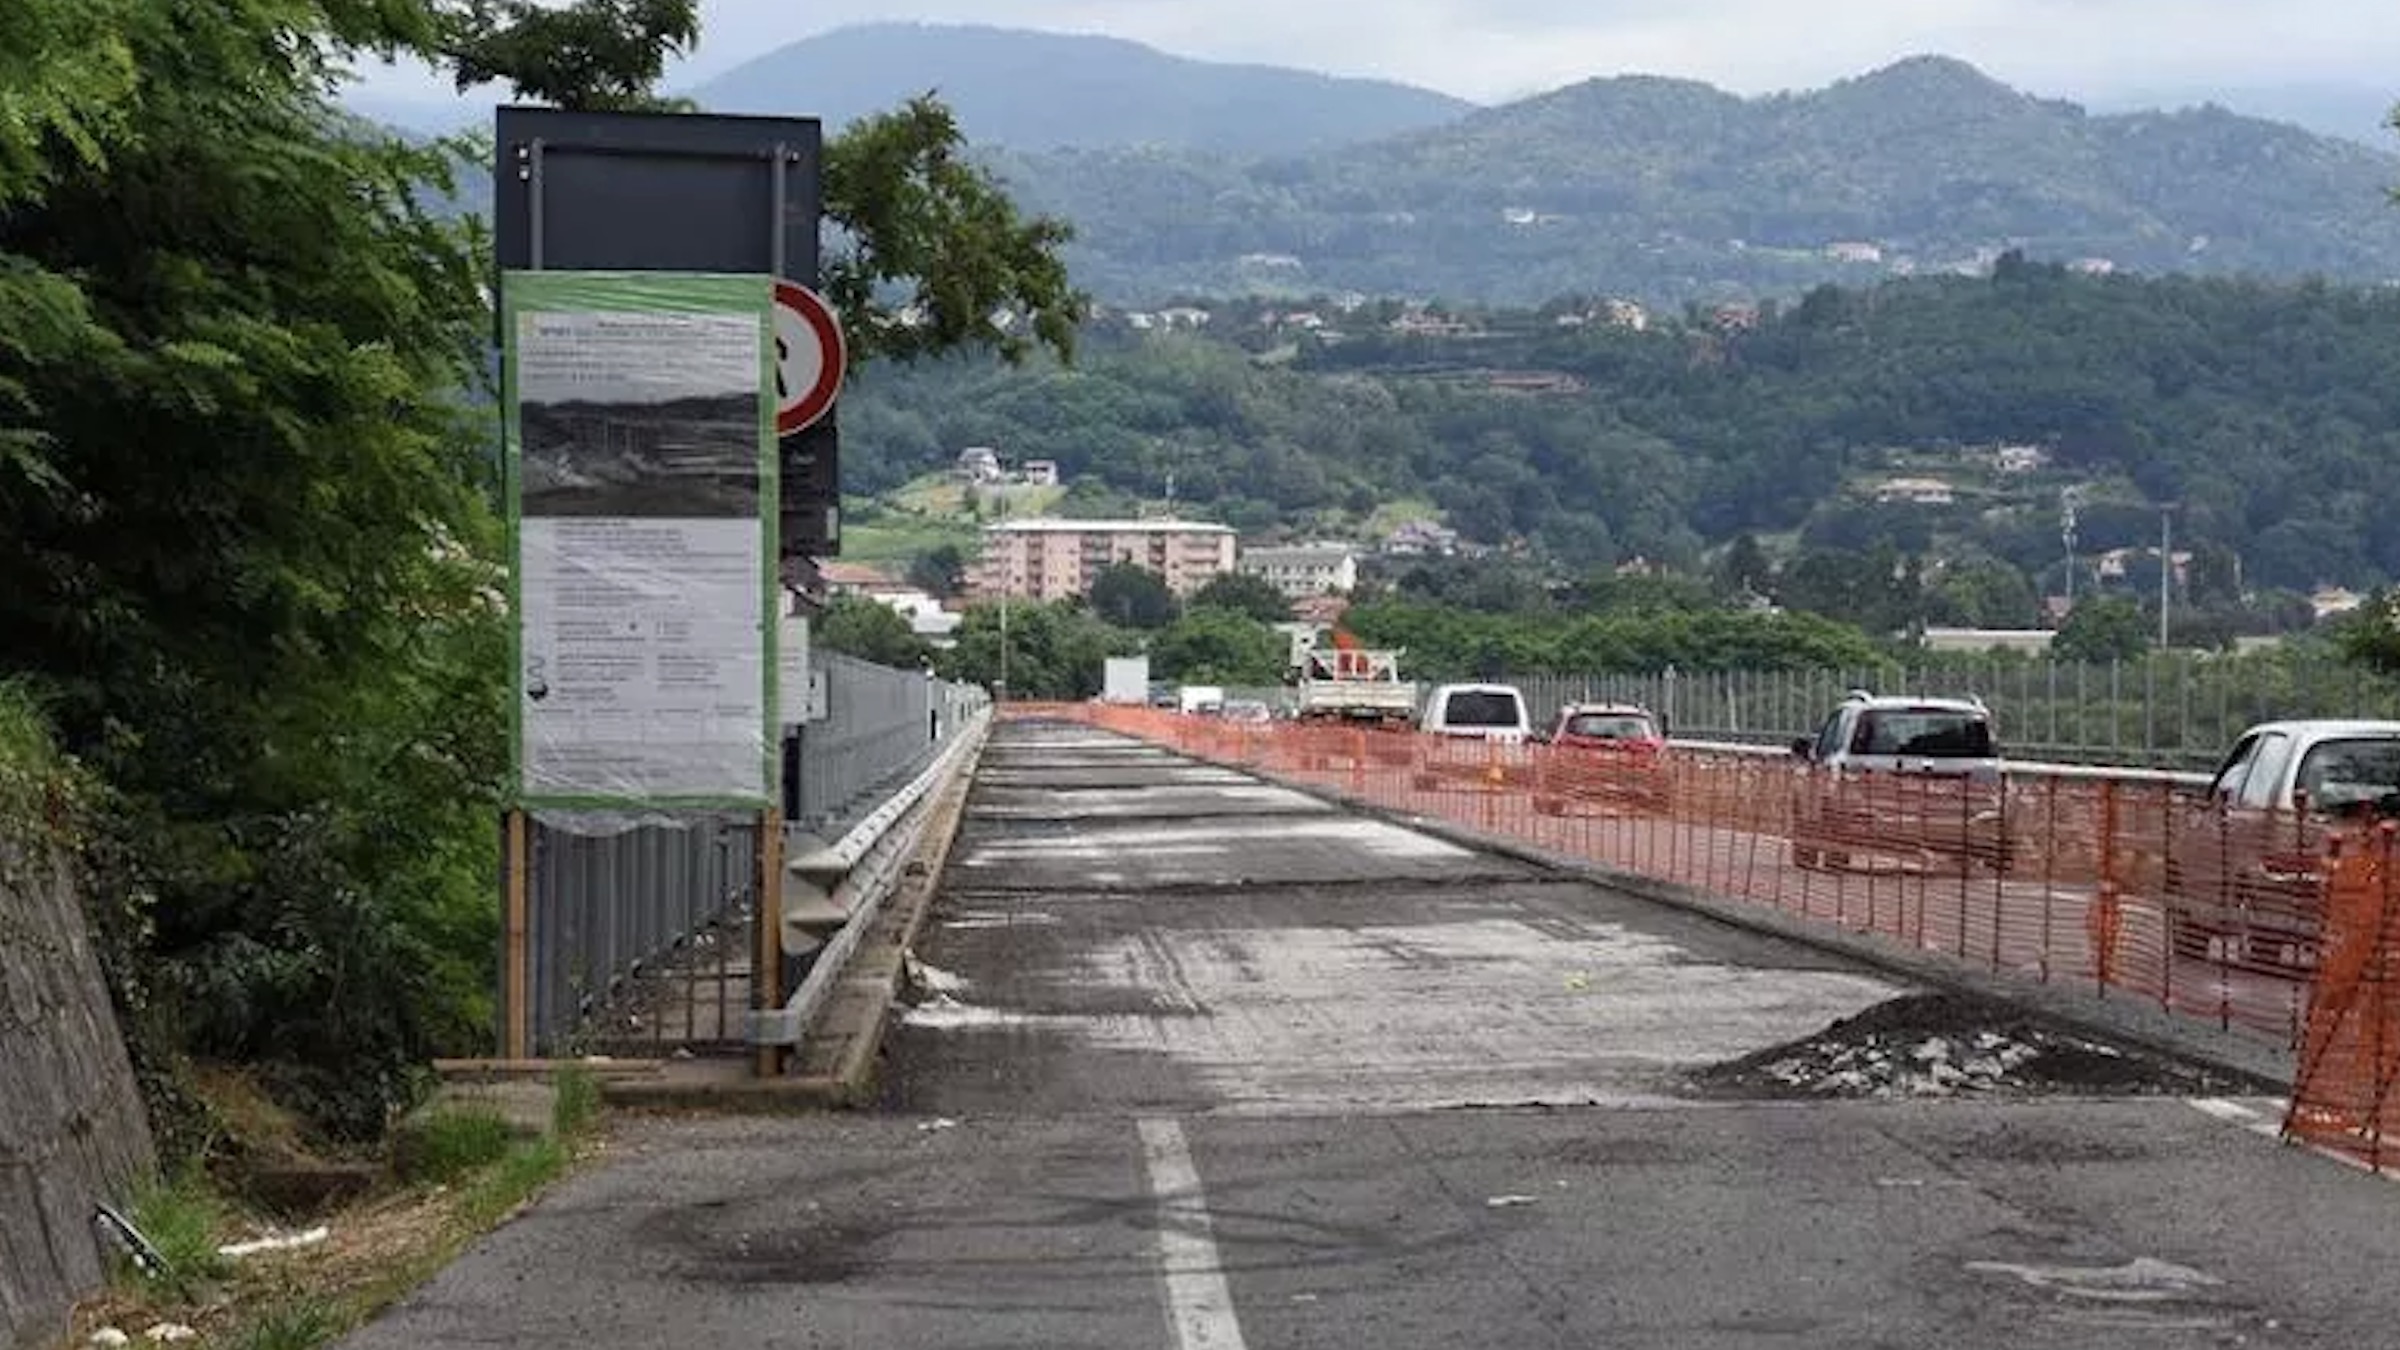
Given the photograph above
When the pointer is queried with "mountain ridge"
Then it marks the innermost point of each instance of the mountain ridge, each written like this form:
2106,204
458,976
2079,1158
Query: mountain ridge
1037,90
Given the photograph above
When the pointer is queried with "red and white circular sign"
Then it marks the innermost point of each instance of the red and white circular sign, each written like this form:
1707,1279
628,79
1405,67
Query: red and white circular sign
811,357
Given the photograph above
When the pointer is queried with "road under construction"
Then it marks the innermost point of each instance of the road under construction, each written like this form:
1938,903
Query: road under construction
1200,1053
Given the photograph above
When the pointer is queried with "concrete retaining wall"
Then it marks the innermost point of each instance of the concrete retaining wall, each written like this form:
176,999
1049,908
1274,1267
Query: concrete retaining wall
72,1130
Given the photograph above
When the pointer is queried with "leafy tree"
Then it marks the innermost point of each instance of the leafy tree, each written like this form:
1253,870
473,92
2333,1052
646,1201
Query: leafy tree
1219,646
1244,593
860,626
1132,596
1745,568
1052,651
928,254
2103,628
940,571
2370,635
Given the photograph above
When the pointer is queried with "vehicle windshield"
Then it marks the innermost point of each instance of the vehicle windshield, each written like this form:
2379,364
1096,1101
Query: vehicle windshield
1931,733
1481,708
2344,773
1611,726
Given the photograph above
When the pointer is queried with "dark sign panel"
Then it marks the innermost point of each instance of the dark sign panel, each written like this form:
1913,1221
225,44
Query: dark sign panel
673,192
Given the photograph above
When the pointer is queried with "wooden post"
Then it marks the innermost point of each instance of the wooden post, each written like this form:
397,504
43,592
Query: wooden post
516,1033
766,965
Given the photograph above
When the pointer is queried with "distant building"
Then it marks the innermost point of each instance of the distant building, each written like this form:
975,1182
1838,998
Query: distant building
2033,641
979,464
1735,318
1626,314
1308,569
1854,251
1050,559
1322,611
2092,267
1041,473
1535,382
2329,601
2019,458
1917,491
1421,536
1418,323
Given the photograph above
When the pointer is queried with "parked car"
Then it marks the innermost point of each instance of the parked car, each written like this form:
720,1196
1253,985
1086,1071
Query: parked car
1248,710
1901,775
1605,753
2244,870
1477,736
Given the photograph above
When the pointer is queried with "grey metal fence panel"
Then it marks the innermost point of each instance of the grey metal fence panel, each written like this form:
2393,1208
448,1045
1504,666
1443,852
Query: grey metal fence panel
639,926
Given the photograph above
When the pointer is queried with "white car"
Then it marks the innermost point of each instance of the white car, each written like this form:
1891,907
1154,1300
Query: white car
2244,876
1474,736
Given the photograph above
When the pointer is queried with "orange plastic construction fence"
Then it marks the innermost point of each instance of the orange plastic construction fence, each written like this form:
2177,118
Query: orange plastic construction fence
2342,1097
2132,888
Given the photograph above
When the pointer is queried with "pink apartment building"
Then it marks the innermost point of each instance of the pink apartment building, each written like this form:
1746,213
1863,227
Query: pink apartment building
1055,559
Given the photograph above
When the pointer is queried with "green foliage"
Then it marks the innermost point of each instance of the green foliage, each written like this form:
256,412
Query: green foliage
448,1144
1449,642
1053,651
2271,412
1132,596
598,54
574,1101
940,571
182,1215
1244,593
2103,628
870,630
1218,646
302,1324
2370,635
913,212
1675,192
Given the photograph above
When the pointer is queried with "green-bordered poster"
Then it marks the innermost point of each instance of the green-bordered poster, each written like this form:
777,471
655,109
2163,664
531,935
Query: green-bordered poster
641,476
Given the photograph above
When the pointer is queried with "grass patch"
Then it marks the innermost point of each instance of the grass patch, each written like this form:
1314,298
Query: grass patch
468,1173
181,1216
301,1324
444,1147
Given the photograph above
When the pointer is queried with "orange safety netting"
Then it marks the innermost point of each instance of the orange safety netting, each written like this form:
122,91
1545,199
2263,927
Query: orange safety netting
2131,888
2350,1055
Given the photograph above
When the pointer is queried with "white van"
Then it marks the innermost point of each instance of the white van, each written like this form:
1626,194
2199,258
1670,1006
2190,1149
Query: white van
1486,712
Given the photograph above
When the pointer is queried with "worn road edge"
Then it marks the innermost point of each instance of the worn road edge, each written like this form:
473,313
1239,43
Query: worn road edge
840,1073
2124,1018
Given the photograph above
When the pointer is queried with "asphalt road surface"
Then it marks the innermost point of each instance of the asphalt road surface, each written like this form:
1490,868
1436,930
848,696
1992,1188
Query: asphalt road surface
1198,1062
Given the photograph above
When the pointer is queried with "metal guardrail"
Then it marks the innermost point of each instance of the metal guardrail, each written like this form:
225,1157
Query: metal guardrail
641,928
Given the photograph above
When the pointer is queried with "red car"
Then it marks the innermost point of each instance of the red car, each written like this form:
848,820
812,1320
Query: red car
1605,753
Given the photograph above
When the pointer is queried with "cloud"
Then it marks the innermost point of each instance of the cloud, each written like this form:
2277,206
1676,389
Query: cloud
1493,50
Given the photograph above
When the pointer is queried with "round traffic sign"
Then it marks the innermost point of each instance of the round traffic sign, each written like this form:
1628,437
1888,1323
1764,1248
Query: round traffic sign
810,357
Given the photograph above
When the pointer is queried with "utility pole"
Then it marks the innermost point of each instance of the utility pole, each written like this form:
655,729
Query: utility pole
2066,533
2166,566
1007,585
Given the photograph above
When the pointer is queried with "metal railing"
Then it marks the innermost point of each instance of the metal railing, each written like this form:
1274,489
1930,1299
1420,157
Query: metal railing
2167,712
879,728
2179,711
641,928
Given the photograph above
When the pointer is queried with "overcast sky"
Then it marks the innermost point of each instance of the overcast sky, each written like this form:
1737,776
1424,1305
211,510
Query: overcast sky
1492,50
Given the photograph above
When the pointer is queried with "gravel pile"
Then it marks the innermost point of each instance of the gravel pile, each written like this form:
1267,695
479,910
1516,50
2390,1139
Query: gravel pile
1952,1045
